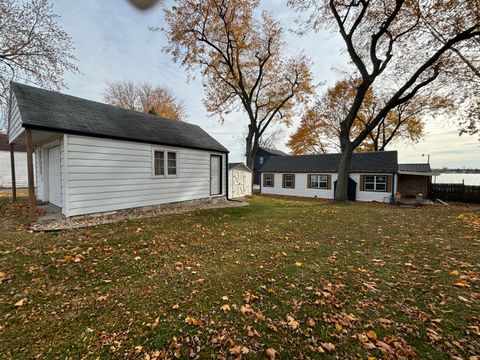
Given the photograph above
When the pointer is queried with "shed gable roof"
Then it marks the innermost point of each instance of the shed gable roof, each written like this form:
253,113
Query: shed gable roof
374,162
422,167
52,111
238,164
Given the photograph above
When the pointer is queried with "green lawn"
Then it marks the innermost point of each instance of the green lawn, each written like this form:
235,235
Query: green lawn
307,279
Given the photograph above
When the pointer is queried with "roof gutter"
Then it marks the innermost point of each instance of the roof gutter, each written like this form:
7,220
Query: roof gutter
400,172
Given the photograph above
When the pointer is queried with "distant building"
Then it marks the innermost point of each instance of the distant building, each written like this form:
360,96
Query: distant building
374,176
263,154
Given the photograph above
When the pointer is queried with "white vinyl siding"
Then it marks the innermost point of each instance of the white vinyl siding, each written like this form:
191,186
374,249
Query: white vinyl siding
15,125
106,175
301,188
21,176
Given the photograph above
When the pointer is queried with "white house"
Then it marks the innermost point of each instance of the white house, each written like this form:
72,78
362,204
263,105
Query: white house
373,176
96,158
240,180
5,168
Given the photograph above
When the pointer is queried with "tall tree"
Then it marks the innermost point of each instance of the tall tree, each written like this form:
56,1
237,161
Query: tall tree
320,127
33,47
145,98
387,43
240,58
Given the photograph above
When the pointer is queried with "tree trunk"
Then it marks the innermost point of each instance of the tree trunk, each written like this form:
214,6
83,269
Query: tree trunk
250,158
344,167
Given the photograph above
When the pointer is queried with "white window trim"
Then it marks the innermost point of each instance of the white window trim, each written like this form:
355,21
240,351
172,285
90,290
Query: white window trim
320,181
375,183
165,151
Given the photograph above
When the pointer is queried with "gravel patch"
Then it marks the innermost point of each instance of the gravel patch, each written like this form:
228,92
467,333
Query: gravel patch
134,214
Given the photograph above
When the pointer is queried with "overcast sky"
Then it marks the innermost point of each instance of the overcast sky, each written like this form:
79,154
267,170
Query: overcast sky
113,43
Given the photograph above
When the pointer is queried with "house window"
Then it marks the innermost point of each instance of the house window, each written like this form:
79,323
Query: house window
261,160
375,183
289,181
268,180
319,181
164,162
159,162
172,163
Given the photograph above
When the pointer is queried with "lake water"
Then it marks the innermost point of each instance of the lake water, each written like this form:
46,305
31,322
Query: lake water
456,178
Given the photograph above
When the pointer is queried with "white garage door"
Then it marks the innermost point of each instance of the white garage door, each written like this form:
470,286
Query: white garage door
54,179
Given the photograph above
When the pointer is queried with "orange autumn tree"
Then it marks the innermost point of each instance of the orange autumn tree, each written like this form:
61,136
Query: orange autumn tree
320,127
240,58
389,44
155,100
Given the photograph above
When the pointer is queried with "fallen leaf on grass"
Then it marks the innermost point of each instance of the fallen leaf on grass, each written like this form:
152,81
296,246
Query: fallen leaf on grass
154,324
311,322
328,346
462,284
102,298
372,335
175,307
271,353
238,349
298,264
192,321
225,308
19,303
294,324
2,275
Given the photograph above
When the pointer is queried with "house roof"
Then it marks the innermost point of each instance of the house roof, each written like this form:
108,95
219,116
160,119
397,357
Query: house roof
240,164
374,162
423,167
52,111
4,146
273,151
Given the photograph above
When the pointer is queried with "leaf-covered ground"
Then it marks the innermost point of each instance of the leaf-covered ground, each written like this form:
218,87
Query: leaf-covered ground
277,279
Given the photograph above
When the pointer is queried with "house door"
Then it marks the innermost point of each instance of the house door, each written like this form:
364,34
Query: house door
54,182
215,175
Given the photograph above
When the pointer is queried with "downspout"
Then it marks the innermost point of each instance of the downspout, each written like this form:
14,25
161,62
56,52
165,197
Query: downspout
227,179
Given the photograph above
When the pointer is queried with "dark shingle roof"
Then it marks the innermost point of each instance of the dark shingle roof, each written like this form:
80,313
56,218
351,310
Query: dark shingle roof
52,111
4,146
232,165
380,161
274,151
415,167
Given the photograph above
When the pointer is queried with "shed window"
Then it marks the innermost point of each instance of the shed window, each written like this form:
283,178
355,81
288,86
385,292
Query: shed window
172,163
319,181
159,162
268,180
164,162
375,183
288,181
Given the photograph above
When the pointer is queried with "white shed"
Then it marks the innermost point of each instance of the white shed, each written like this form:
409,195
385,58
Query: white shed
96,158
239,180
